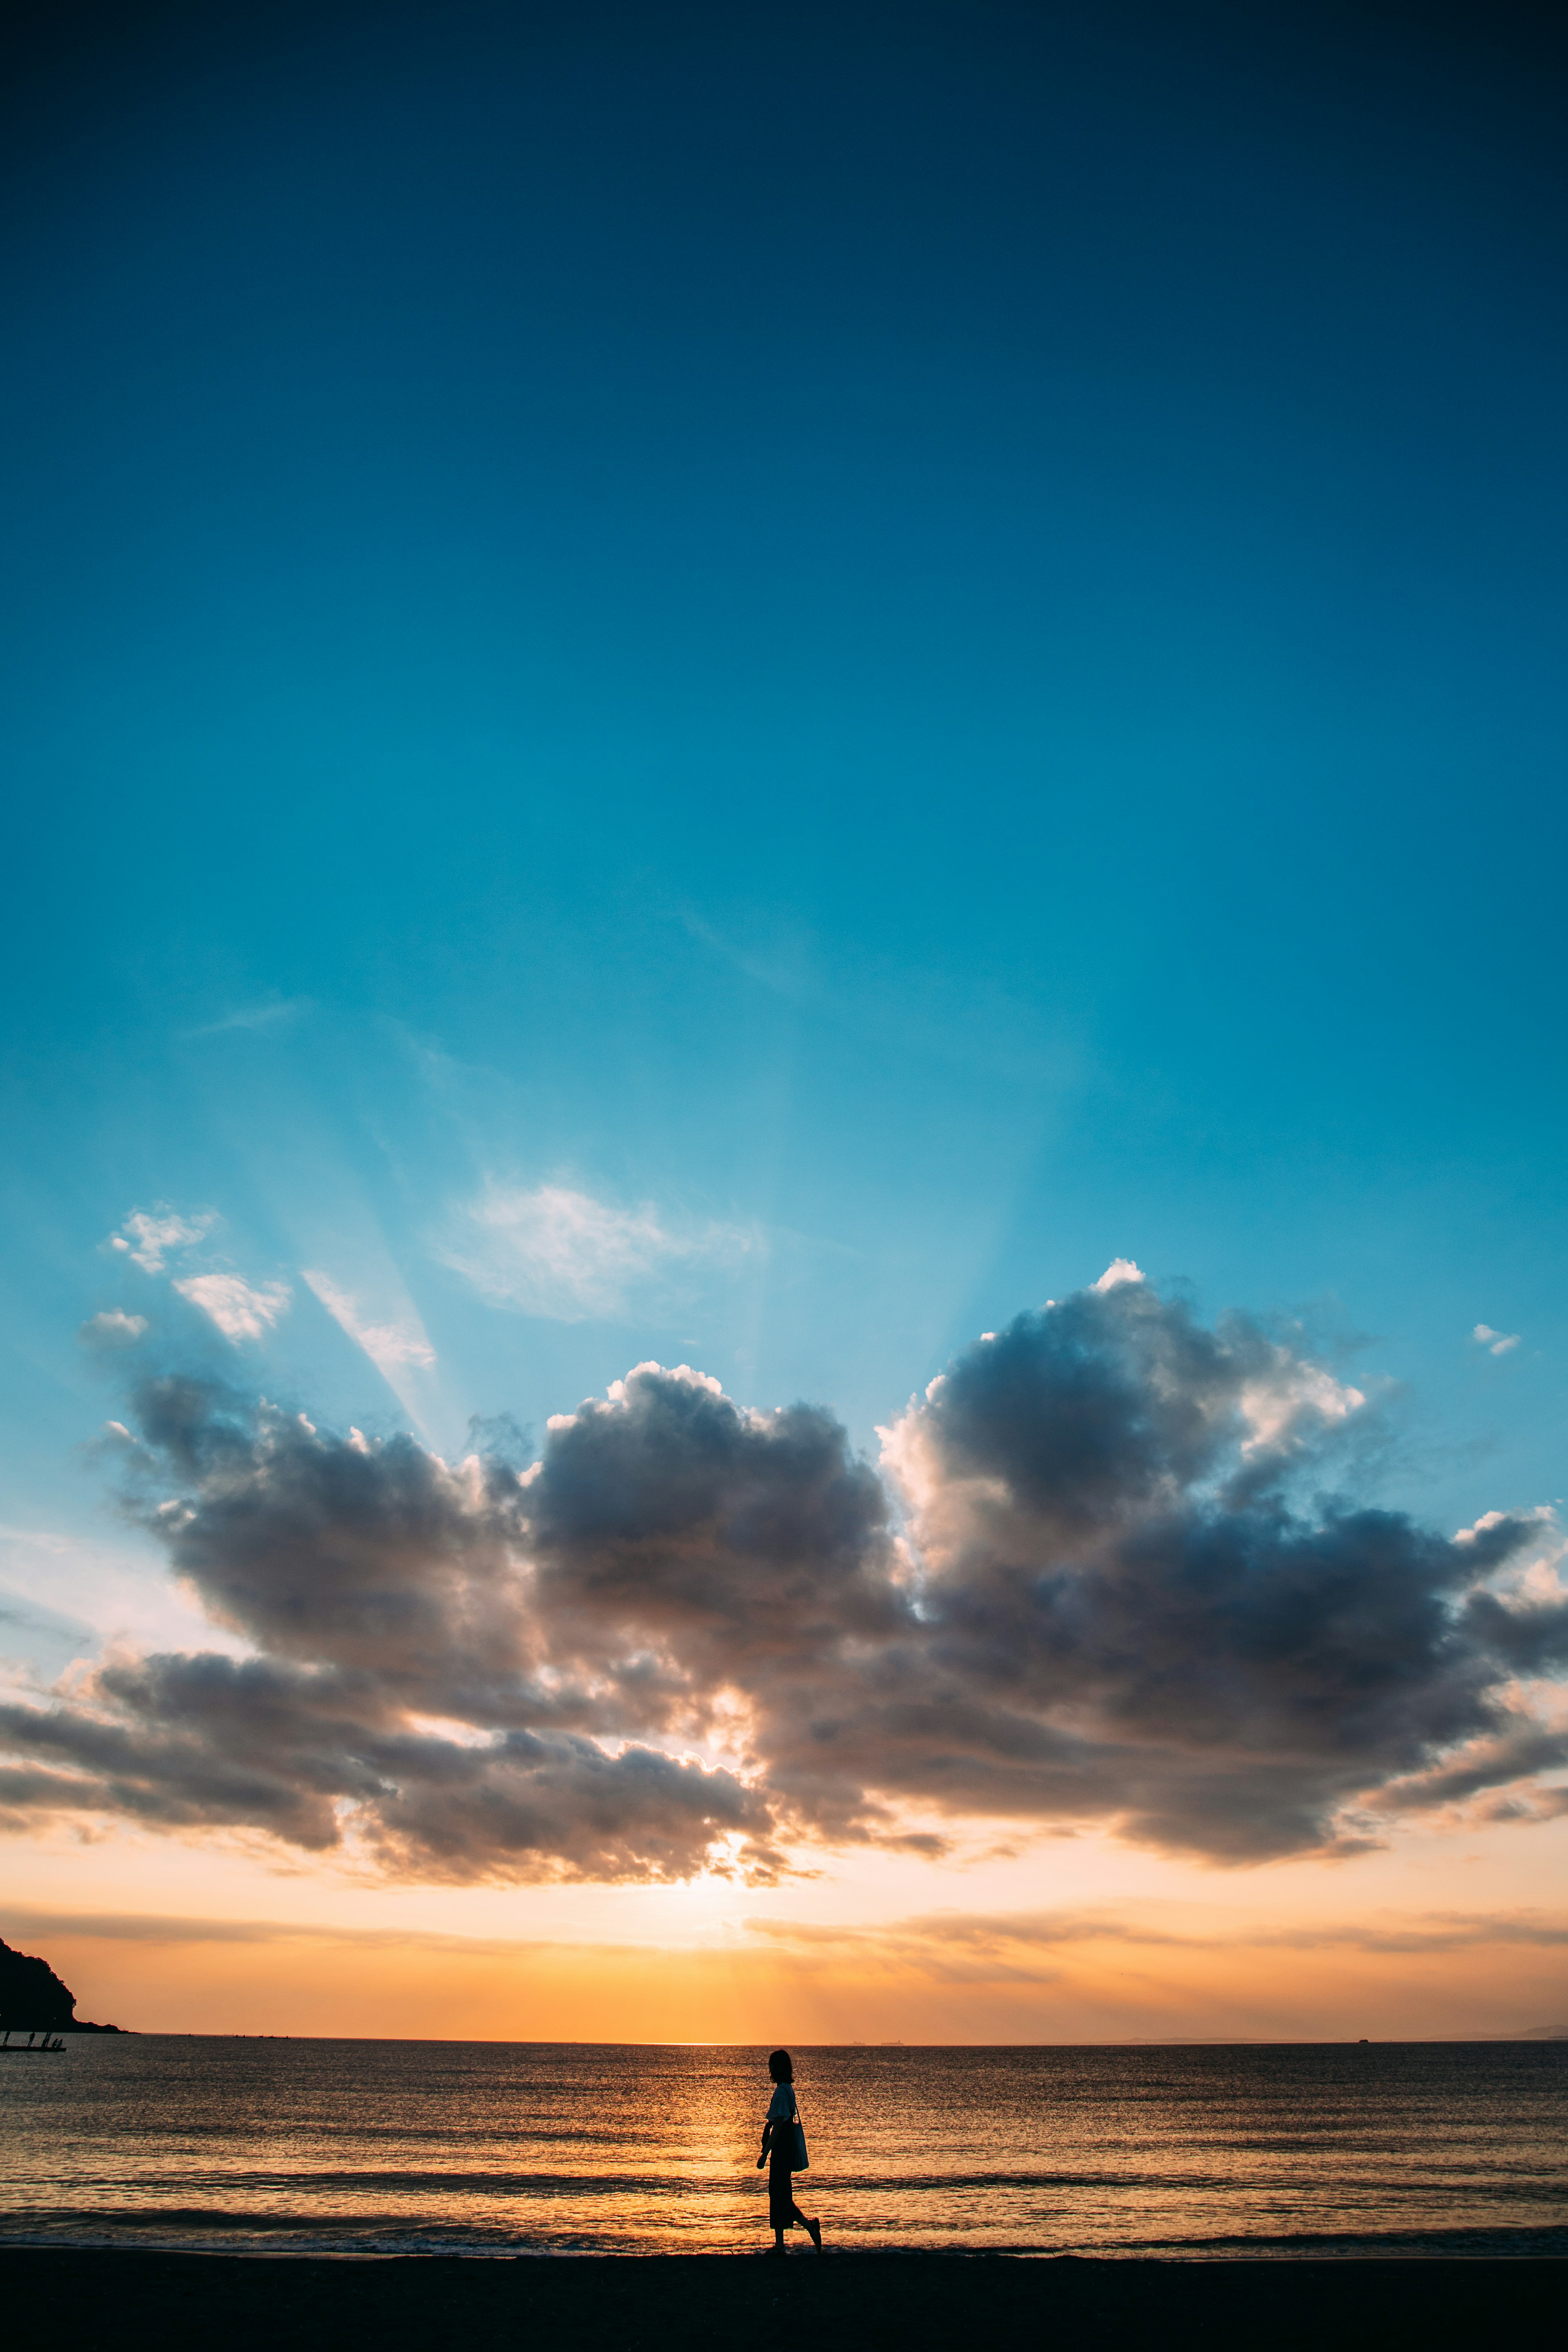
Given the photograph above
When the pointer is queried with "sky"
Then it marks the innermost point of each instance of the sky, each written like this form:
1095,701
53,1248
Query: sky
782,1242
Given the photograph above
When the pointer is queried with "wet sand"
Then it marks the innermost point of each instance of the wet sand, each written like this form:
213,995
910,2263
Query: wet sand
130,2302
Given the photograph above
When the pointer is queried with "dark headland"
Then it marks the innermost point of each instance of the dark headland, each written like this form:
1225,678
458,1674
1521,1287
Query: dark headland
34,2001
130,2302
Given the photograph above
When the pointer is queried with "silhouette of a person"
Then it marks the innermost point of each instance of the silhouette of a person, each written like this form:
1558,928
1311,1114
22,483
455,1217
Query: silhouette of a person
778,2155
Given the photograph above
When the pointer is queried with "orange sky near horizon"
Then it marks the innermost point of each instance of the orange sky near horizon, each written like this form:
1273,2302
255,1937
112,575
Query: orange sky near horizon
1072,1940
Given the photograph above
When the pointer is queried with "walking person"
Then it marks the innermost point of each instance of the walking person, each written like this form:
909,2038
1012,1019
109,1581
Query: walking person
784,2153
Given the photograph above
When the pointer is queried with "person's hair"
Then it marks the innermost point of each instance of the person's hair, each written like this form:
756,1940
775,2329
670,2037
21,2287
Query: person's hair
781,2066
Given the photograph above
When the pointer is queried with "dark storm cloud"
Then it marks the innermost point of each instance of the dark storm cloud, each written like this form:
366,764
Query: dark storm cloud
690,1633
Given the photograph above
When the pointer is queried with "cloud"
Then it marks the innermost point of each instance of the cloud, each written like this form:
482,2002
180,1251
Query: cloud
913,1939
986,1934
149,1235
240,1310
1496,1343
274,1014
389,1346
1102,1576
112,1330
1117,1553
206,1742
1287,1400
393,1704
27,1623
559,1254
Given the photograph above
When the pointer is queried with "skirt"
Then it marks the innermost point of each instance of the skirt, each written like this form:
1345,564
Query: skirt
781,2195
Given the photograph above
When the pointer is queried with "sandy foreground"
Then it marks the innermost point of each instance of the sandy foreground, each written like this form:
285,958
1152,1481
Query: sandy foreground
122,2302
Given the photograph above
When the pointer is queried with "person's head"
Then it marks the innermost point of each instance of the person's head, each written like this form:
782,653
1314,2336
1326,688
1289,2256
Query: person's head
781,2066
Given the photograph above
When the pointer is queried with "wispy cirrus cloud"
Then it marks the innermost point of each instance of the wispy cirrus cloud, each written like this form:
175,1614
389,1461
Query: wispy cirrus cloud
276,1013
112,1330
556,1252
910,1940
1496,1343
987,1934
391,1347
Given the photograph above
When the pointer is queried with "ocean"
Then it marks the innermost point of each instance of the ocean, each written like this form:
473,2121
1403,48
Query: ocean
531,2148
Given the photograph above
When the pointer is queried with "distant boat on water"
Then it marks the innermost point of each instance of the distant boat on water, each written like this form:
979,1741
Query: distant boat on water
37,2045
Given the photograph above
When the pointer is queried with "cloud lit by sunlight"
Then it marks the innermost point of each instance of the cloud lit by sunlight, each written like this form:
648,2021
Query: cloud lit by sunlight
558,1253
241,1310
148,1235
1109,1575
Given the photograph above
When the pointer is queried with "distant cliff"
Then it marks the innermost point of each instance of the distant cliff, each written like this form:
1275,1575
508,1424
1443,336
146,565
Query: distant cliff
34,2001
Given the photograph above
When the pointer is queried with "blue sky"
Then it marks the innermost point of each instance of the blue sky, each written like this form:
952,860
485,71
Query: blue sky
814,668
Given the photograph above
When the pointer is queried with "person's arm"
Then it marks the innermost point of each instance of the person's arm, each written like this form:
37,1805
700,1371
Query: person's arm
767,2142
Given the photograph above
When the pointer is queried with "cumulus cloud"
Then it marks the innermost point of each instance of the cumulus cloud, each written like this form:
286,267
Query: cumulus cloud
559,1254
240,1309
394,1700
1094,1581
389,1346
1115,1548
148,1235
112,1330
1496,1343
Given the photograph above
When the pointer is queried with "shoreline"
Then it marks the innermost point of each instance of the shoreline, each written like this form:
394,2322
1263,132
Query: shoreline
125,2298
1314,2254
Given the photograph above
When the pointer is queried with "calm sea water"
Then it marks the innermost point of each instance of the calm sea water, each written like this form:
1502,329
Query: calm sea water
397,2146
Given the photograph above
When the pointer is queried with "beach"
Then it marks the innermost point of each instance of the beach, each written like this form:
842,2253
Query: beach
110,2301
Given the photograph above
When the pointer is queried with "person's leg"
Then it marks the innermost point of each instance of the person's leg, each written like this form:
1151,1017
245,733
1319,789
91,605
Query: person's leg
812,2229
